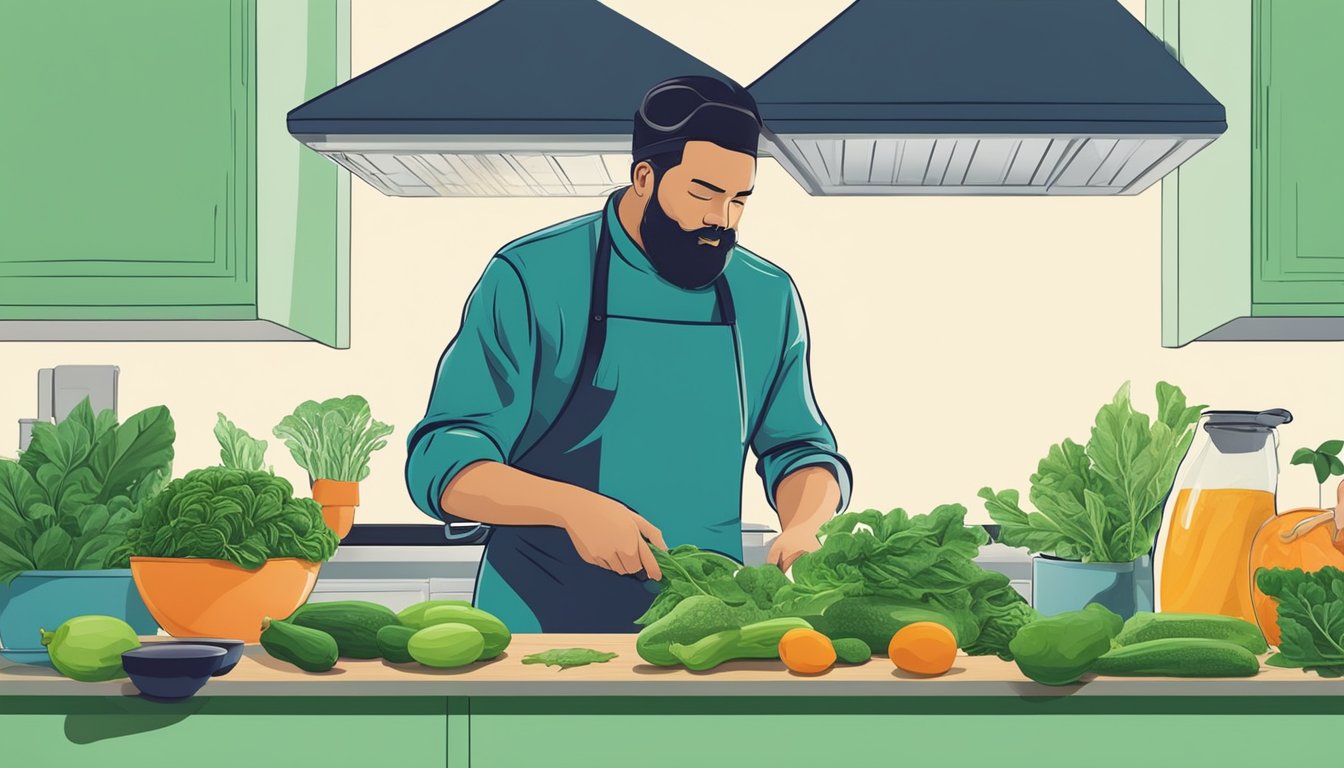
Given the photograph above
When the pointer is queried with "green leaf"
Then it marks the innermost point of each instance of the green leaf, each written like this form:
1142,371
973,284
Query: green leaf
568,657
1303,456
54,550
1311,617
18,493
333,439
1321,463
1331,447
1037,532
1336,466
238,449
139,448
12,563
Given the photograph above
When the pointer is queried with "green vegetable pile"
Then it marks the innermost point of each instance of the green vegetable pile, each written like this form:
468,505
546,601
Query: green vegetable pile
334,439
243,517
69,500
873,574
565,658
1311,618
1102,503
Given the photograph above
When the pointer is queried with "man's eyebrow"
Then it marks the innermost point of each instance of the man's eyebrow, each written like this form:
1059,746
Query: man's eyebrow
720,190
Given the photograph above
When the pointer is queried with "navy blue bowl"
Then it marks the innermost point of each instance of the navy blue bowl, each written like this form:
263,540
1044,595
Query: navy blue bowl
233,651
171,671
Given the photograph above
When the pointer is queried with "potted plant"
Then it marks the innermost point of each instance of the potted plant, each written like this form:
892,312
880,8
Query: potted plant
219,549
65,508
333,440
1100,506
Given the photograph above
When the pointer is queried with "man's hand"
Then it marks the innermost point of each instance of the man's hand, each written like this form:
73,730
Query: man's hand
790,545
610,535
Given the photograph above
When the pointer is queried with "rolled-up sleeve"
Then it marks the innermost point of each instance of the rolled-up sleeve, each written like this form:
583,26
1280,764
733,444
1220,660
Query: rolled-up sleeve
482,393
792,433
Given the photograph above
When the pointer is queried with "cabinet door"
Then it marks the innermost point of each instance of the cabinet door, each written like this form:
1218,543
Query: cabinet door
1297,197
129,166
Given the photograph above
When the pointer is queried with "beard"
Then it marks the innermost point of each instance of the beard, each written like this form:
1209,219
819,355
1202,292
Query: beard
677,255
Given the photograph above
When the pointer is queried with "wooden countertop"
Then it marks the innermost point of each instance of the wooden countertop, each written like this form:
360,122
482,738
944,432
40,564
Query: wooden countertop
628,675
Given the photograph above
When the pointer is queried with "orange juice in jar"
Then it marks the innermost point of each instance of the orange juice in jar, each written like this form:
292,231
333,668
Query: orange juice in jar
1225,495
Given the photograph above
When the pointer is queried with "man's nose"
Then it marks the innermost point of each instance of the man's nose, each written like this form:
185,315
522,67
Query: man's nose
717,216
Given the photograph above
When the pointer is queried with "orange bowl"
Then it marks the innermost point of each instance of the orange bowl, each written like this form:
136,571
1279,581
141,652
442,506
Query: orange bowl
198,597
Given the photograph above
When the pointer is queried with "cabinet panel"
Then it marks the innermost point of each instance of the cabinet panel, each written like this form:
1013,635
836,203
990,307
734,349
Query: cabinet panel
395,594
1297,196
130,166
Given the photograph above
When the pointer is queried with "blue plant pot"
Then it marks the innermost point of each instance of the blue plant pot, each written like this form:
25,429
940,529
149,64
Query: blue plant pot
38,600
1058,585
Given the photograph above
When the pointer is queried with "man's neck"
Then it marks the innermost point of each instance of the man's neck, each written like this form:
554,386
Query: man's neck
630,213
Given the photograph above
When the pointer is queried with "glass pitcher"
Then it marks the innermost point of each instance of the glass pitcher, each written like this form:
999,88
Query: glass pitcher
1222,497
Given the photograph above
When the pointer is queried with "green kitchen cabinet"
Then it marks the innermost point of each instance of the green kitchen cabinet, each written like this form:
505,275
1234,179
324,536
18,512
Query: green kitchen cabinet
152,190
1252,238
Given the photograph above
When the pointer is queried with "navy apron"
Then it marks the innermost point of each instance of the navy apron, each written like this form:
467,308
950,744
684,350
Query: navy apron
655,420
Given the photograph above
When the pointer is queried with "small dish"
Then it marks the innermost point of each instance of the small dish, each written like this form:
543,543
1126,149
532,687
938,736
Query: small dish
233,651
171,671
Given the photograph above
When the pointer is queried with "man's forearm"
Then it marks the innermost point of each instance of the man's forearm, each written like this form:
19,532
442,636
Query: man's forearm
806,498
497,494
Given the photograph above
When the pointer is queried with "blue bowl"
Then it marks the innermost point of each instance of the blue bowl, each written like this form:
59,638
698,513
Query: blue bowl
171,671
233,651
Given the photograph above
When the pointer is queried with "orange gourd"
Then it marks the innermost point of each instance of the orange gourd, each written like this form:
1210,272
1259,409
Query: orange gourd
806,651
923,648
1309,539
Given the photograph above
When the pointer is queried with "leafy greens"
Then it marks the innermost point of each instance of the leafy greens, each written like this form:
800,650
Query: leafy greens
334,439
1102,502
238,449
1311,618
241,516
569,657
923,561
69,500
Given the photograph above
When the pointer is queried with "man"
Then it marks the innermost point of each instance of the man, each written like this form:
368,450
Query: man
611,372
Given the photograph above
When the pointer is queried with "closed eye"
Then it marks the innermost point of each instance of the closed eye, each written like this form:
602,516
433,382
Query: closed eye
697,197
739,202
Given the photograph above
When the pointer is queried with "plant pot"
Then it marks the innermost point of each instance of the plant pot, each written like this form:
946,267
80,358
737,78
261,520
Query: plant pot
338,500
38,600
199,597
1058,585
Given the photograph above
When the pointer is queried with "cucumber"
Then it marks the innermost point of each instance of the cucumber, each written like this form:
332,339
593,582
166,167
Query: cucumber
496,635
311,650
1178,657
1145,626
852,650
353,623
446,645
414,615
392,641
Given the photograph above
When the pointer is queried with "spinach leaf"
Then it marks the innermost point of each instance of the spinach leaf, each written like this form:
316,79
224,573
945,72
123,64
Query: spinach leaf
1311,617
238,449
1102,502
569,657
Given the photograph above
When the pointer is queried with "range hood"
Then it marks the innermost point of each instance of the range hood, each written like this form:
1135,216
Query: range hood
526,98
984,97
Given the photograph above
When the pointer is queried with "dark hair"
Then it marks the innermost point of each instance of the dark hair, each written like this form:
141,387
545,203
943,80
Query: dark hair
695,108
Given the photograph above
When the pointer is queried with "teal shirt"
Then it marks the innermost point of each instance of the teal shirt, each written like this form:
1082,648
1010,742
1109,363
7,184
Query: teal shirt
503,379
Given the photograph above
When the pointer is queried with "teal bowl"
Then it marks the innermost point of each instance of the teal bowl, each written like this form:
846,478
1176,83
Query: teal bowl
38,600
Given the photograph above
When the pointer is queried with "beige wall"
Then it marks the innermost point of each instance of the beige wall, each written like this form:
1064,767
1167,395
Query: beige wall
953,338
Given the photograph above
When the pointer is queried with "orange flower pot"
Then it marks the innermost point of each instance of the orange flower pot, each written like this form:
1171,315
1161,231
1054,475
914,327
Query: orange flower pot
338,500
199,597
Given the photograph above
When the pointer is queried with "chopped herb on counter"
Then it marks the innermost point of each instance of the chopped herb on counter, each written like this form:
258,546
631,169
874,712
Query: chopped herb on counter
569,657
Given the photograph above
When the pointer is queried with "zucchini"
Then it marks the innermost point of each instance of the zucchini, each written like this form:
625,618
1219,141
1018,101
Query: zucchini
308,649
414,615
1146,626
446,646
496,635
1178,657
392,642
353,623
852,650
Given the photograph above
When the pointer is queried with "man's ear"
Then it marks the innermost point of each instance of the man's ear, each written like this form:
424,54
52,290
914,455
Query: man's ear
641,179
